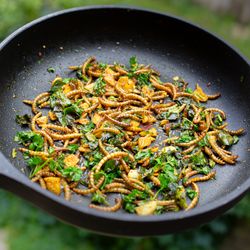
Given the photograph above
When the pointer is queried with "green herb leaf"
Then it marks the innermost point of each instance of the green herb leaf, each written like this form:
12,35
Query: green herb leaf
185,136
73,173
226,139
35,141
180,197
99,198
133,63
218,120
51,70
143,79
102,65
13,153
99,86
23,120
34,161
143,154
88,127
189,90
199,159
73,148
57,85
191,193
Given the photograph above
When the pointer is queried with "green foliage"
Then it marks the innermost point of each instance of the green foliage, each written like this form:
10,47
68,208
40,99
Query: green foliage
73,173
99,86
32,229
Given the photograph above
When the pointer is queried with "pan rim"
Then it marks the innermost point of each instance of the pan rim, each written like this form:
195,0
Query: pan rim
167,217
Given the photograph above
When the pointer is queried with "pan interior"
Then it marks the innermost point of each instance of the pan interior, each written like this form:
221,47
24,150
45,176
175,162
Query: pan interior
171,46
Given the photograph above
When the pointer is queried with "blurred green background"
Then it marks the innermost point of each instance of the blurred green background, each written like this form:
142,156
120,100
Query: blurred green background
23,227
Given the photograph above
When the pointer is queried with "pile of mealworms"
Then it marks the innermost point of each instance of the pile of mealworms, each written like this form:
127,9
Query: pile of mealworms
119,129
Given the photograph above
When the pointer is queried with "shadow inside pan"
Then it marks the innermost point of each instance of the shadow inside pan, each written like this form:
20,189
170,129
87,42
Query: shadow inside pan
171,46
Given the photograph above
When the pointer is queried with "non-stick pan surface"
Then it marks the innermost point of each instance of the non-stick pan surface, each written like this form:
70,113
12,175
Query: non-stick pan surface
111,34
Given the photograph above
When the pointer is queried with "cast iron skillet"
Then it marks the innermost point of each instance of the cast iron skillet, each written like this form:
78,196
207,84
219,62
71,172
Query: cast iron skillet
174,47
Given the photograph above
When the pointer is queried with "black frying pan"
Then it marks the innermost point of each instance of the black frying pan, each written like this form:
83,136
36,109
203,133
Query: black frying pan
174,47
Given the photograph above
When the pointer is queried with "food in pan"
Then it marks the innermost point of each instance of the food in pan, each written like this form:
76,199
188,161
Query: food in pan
117,129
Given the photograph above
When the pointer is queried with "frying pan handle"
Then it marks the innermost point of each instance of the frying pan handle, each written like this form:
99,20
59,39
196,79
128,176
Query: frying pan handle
16,182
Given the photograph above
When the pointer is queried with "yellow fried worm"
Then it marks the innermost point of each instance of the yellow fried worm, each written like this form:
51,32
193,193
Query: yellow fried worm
34,103
118,190
43,173
162,105
46,136
34,153
63,137
195,200
29,102
90,190
119,154
184,94
155,180
33,121
76,92
121,70
42,183
158,97
200,179
197,116
90,109
234,132
86,63
216,110
115,185
109,130
193,142
161,87
114,208
58,128
102,149
188,150
172,87
108,103
121,124
130,182
214,96
136,111
67,191
129,116
136,97
93,72
216,159
225,157
125,166
191,173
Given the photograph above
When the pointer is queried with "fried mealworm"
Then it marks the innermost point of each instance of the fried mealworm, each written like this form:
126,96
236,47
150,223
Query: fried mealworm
203,178
234,132
33,153
216,159
90,190
109,130
119,154
216,110
34,103
195,200
67,191
121,124
114,208
63,137
58,128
